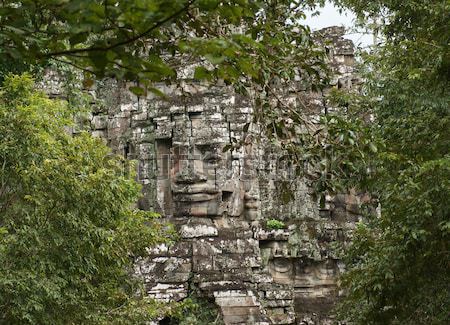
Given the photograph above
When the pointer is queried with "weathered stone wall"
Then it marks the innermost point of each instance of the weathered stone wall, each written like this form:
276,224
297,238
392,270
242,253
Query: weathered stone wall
221,200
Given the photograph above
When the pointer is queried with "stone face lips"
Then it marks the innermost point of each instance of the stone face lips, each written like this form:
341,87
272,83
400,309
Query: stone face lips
221,200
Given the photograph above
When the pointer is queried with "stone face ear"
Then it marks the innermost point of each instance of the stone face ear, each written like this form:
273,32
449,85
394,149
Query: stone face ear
236,205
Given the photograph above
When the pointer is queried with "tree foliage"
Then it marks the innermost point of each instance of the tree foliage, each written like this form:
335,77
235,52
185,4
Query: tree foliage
143,40
398,264
68,230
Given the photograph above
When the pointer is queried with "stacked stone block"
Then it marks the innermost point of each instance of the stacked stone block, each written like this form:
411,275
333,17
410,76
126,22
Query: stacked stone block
220,201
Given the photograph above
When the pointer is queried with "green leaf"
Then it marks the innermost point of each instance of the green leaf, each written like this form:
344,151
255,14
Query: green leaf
202,73
215,59
78,38
138,91
156,91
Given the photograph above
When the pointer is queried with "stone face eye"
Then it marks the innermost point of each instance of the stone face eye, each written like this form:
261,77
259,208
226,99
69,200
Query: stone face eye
211,158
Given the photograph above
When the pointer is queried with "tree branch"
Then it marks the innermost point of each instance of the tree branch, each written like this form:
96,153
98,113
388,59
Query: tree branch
74,65
128,41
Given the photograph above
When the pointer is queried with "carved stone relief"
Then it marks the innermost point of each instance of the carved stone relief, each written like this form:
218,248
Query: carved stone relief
220,200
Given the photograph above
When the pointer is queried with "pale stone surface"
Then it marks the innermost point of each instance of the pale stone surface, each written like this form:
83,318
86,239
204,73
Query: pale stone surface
193,231
221,200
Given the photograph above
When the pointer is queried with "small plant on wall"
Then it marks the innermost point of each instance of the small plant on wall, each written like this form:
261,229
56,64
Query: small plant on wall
275,224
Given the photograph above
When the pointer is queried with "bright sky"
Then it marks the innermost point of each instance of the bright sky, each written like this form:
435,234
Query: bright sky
330,16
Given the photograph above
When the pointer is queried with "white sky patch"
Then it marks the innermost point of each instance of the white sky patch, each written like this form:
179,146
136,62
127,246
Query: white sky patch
330,16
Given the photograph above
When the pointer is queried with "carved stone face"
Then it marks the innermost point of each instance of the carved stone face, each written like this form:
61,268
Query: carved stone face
202,179
198,180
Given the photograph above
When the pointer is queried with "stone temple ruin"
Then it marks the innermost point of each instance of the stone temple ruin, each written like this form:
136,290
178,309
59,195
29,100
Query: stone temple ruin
220,201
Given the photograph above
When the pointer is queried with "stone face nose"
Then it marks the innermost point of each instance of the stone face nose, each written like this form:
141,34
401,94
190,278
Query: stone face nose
188,175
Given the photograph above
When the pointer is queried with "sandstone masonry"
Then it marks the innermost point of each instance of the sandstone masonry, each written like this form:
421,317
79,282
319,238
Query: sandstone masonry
221,200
